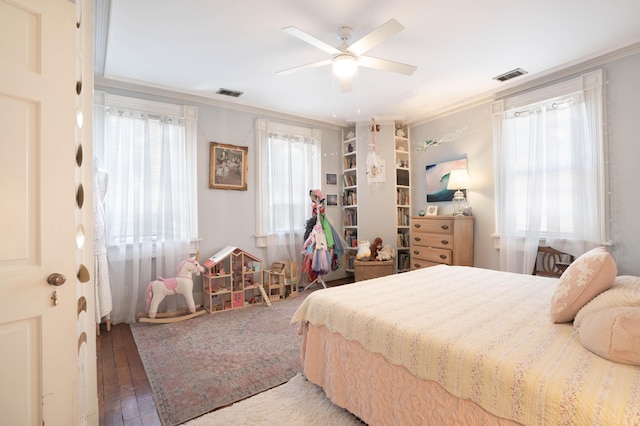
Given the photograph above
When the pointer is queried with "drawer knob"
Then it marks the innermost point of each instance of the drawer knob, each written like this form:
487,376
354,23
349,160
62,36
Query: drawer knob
443,256
417,238
444,242
416,252
445,227
417,225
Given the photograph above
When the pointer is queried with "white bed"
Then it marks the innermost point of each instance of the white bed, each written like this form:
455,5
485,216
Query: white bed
459,345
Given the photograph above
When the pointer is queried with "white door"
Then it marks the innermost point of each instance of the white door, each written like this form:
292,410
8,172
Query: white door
38,233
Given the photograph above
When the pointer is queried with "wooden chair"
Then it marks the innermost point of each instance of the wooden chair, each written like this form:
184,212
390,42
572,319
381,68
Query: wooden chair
551,262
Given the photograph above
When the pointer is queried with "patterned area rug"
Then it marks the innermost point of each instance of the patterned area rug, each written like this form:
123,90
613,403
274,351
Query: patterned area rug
210,361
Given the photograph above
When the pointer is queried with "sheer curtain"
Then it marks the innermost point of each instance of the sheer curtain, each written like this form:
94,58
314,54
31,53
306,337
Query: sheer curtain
148,203
288,168
550,174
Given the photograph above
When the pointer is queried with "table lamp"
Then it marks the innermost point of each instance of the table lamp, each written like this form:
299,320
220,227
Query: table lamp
458,180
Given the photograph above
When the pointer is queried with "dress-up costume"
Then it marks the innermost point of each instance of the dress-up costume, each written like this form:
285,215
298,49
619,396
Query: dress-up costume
323,244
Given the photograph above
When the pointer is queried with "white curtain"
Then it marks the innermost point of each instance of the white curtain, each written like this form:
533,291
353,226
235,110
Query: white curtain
148,211
549,177
288,168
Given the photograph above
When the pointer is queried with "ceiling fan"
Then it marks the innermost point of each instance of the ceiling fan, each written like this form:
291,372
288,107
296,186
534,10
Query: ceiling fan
346,58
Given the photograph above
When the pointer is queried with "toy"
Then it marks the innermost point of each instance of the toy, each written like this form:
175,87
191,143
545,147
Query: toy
364,250
377,245
386,253
182,284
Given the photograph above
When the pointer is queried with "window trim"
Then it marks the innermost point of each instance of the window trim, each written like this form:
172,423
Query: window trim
190,115
499,108
263,127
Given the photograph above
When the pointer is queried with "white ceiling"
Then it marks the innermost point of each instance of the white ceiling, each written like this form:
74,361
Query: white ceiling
200,46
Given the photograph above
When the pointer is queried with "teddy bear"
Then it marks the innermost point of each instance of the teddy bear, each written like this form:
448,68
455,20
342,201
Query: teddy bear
375,247
364,250
386,253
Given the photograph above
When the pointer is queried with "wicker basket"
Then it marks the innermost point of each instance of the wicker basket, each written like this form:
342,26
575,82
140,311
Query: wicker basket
365,270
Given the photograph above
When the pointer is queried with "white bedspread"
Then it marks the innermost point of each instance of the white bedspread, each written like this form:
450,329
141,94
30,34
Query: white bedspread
486,336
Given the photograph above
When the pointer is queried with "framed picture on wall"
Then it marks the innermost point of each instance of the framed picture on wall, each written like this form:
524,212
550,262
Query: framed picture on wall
331,179
228,166
437,178
332,199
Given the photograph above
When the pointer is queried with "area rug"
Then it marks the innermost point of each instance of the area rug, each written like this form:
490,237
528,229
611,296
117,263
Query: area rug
213,360
298,402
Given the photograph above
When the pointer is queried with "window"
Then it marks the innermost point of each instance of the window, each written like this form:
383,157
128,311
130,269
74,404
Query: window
288,168
550,171
147,151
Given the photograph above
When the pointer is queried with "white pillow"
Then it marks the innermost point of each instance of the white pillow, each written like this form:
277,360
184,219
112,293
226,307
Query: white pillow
625,291
613,334
585,278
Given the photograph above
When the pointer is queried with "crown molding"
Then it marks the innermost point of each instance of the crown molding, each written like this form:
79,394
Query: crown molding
550,76
102,83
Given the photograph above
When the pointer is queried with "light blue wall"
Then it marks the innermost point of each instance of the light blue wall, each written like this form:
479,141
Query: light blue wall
228,217
475,141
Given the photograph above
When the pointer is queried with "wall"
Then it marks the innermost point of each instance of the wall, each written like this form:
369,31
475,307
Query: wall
227,217
472,138
473,131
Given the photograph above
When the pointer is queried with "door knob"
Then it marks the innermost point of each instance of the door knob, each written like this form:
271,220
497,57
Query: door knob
56,279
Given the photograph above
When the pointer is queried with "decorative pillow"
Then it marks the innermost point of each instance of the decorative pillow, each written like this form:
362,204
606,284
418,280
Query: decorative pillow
586,277
613,334
625,291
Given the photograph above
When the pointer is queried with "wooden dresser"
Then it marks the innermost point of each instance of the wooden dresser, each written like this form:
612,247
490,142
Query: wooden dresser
441,240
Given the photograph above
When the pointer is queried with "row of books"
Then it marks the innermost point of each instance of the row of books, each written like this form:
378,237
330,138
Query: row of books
351,238
349,163
402,198
350,179
350,218
349,198
403,217
404,261
403,240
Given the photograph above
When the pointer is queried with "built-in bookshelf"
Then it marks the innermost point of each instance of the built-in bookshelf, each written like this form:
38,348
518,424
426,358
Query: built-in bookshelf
403,196
350,194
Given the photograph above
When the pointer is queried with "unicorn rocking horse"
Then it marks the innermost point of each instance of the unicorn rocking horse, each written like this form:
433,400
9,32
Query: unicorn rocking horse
181,284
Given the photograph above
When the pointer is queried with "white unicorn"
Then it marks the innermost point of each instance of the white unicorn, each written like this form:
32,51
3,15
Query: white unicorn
182,284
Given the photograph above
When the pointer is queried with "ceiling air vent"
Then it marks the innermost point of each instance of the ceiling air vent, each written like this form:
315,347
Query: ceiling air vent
227,92
510,74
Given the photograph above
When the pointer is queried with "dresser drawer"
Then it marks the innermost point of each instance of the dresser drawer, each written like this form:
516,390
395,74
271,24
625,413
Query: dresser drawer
432,240
419,264
433,226
431,254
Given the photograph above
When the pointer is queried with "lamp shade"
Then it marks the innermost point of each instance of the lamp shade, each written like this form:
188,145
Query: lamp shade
458,179
344,66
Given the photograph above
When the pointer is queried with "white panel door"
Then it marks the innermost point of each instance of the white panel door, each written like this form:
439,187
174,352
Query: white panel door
38,237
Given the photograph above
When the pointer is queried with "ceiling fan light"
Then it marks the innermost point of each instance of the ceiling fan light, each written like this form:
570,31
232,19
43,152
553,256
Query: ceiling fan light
344,66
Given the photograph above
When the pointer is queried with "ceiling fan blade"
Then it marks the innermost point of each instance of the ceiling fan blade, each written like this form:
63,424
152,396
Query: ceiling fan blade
346,84
385,65
375,37
311,40
305,67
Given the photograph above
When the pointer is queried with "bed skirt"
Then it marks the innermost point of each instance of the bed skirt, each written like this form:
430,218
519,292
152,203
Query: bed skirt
378,392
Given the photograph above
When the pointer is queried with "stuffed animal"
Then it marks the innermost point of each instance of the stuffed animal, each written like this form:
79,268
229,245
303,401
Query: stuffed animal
377,245
364,250
386,253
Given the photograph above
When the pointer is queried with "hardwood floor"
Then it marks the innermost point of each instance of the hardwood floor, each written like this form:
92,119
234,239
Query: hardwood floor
124,393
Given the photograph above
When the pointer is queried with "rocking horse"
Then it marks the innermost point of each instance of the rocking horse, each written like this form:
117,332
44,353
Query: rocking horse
181,284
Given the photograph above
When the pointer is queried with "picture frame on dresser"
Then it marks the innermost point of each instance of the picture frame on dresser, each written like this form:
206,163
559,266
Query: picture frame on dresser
432,210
